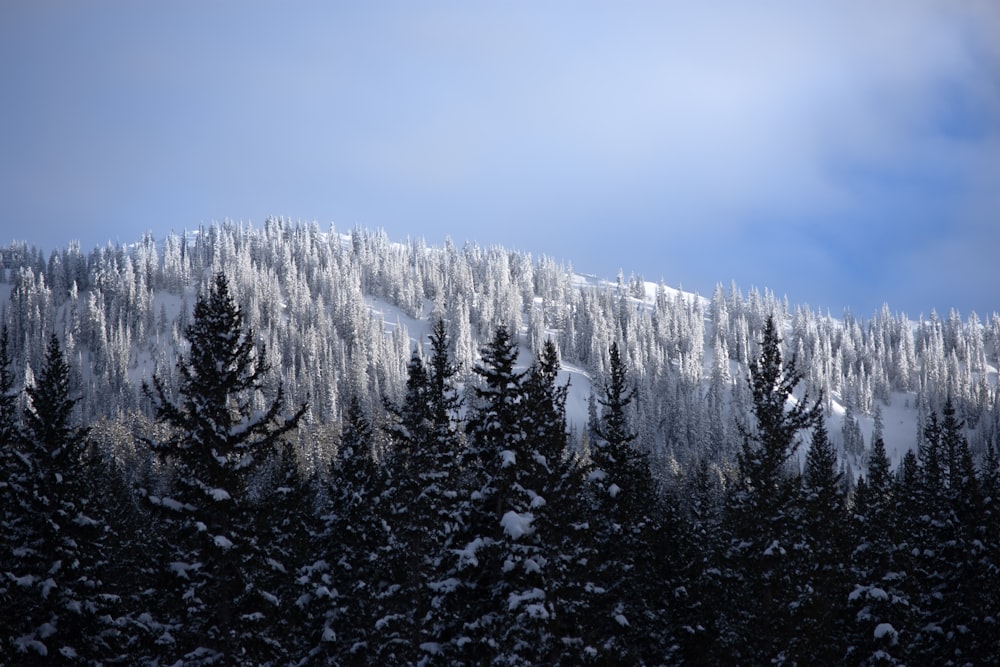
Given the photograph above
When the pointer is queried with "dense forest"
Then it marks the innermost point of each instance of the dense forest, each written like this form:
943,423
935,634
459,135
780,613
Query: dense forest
292,446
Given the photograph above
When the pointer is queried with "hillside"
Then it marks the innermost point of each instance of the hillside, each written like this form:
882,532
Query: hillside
293,446
340,313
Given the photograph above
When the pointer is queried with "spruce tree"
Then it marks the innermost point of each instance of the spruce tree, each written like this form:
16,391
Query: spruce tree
757,560
60,608
9,430
218,442
623,622
342,583
492,462
820,557
878,605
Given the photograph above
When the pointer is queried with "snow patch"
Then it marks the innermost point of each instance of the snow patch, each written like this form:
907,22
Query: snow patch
507,458
467,556
886,631
223,542
516,524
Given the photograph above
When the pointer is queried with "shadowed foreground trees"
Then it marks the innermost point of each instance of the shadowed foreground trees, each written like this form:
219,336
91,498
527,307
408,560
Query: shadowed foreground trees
442,533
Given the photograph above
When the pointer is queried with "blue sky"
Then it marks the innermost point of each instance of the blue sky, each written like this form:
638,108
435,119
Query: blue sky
842,153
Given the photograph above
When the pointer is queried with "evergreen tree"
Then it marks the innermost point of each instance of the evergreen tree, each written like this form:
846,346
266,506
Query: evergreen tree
492,464
757,561
218,442
343,581
9,428
624,618
879,607
423,517
59,604
821,556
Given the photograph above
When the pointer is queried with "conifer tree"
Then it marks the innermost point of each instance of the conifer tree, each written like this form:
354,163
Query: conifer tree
60,605
820,557
9,430
877,605
620,611
492,462
422,515
761,531
343,581
218,442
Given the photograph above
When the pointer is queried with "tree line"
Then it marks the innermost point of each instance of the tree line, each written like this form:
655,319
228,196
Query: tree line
467,527
322,302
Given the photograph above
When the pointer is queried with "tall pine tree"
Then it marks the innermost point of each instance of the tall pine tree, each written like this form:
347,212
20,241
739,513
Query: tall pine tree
218,441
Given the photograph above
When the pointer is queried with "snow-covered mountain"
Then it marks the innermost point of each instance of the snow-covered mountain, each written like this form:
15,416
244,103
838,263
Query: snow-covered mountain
340,313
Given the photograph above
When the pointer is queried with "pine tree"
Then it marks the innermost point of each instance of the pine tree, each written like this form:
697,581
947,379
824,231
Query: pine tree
9,428
622,593
879,606
422,514
342,583
218,442
60,604
820,557
758,559
491,465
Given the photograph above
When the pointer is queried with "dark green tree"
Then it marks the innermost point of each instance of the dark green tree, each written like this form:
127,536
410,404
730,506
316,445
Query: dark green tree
820,556
61,607
625,615
219,440
878,605
9,430
342,584
756,626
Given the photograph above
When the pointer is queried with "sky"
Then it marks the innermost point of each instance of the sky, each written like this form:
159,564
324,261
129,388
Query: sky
843,154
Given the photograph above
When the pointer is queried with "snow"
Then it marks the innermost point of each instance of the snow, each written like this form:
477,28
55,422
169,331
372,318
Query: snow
23,582
514,600
467,556
28,643
219,494
223,542
170,504
434,648
614,490
517,524
621,620
596,475
885,630
181,569
444,586
507,458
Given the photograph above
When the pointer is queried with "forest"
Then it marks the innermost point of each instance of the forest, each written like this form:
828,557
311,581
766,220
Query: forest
288,446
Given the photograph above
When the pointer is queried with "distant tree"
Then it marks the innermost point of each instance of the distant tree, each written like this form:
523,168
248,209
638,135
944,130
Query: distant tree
219,440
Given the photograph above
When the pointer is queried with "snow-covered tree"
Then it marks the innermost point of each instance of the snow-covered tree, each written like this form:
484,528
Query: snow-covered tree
218,441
